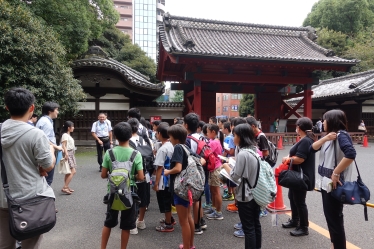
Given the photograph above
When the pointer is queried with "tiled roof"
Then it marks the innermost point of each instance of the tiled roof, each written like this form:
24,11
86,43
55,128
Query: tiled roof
96,57
349,85
201,37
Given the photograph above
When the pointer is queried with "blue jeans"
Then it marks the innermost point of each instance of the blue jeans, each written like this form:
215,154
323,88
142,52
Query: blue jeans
208,199
49,177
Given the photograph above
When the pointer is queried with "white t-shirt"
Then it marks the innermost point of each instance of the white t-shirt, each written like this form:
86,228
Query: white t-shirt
136,140
69,141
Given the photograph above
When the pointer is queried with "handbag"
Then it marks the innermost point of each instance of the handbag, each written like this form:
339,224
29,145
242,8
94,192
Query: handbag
64,167
355,192
293,179
361,128
29,217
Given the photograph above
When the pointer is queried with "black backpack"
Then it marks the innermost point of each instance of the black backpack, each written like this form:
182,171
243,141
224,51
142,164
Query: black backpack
271,159
143,134
146,152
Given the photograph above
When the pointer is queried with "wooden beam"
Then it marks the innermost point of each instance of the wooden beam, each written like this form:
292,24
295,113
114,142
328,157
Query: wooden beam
252,78
294,110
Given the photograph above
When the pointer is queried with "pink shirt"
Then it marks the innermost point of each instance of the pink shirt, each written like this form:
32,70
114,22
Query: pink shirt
216,147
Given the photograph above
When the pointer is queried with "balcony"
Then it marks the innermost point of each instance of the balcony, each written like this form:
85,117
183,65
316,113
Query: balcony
126,12
159,18
118,2
161,7
124,24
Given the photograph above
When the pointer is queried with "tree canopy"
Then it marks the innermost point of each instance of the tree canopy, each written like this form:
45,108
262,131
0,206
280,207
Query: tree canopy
31,56
75,22
247,105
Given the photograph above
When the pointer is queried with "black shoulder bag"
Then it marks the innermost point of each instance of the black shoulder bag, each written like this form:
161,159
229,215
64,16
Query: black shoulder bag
351,192
29,217
293,179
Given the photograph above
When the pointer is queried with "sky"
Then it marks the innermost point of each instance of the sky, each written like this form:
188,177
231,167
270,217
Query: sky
273,12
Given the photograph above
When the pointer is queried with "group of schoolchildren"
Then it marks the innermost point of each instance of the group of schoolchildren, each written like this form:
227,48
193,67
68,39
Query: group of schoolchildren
172,146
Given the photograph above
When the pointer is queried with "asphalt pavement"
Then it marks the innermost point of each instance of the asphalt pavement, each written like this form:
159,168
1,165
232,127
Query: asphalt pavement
81,216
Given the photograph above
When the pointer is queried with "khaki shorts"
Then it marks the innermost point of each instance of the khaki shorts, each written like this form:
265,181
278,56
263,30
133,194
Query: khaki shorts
214,179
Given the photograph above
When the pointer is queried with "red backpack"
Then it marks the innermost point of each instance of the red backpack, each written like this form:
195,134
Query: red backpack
204,150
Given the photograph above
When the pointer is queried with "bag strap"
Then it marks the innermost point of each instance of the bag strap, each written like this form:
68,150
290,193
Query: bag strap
112,156
132,144
133,155
185,149
258,169
4,177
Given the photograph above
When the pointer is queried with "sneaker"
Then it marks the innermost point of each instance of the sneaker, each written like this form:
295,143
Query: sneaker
165,228
229,197
173,222
203,224
263,213
215,216
134,231
225,195
232,204
173,210
207,206
209,211
239,234
198,229
238,226
140,224
232,209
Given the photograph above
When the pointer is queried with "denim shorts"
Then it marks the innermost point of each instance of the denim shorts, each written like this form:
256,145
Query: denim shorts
180,201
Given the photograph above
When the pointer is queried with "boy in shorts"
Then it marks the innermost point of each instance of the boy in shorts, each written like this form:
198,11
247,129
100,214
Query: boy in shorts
122,153
162,161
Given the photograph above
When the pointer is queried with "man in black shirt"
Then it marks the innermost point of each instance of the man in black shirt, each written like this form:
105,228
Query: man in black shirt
262,141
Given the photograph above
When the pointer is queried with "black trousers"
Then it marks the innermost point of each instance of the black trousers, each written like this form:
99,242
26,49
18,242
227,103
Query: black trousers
333,210
250,218
298,206
100,149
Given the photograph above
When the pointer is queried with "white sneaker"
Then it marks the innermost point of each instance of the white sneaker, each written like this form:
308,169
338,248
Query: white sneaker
140,224
134,231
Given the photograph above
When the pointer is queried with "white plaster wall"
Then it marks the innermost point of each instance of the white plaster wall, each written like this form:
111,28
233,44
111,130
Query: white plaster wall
367,109
114,96
87,106
115,106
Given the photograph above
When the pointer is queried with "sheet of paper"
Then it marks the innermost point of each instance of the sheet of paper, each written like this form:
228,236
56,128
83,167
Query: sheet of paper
225,174
226,146
232,162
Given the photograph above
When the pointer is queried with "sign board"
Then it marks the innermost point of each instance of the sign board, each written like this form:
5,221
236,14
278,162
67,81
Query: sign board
154,118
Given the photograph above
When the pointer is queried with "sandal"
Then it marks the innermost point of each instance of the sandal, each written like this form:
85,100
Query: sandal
71,190
66,191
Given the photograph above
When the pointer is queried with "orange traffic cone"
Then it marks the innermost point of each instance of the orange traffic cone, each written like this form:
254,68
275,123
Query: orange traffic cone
365,143
278,204
297,139
280,143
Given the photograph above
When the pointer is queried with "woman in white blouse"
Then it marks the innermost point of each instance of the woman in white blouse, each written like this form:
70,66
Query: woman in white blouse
68,147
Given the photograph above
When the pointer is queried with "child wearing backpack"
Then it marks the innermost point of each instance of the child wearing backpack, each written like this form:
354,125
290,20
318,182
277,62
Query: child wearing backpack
122,153
179,162
246,167
162,162
215,213
144,188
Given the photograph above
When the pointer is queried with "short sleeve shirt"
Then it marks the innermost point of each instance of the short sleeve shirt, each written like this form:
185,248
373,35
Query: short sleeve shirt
69,141
101,129
123,154
45,124
163,158
302,150
216,147
262,142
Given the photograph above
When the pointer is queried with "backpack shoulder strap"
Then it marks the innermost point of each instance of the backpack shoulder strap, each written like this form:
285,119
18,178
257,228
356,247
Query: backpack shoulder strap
111,154
141,140
133,155
185,149
132,144
194,139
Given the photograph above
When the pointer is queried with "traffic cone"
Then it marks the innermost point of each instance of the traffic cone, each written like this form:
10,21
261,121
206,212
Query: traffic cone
365,143
278,204
297,139
280,143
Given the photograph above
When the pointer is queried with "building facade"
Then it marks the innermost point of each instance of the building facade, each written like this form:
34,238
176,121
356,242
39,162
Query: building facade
140,20
125,23
228,104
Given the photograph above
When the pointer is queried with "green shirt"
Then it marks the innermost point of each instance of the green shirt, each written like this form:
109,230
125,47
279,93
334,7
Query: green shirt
123,154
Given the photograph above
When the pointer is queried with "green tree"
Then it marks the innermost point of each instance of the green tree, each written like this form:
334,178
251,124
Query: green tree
247,105
178,97
347,16
75,22
133,56
32,57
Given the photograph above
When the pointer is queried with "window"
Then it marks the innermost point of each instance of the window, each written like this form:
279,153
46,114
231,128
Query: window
240,96
234,108
234,96
145,6
225,108
145,18
145,43
218,99
225,97
124,7
145,31
218,109
124,19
